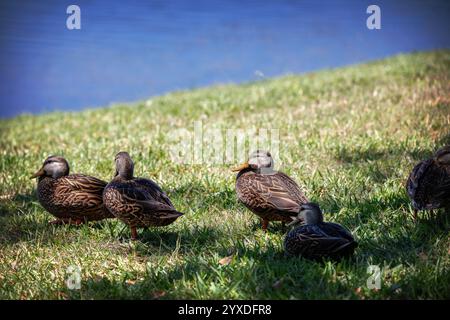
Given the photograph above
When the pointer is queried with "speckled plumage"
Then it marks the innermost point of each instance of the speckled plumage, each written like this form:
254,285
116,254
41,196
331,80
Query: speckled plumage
138,202
272,195
75,197
428,185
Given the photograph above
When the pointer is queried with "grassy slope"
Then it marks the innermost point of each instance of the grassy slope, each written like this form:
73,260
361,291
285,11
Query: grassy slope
350,136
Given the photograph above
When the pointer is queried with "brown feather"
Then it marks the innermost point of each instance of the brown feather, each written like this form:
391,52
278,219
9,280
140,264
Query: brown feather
273,197
76,196
428,185
139,202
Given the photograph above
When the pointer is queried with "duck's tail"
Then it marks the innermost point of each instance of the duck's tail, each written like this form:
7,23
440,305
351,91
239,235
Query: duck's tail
346,249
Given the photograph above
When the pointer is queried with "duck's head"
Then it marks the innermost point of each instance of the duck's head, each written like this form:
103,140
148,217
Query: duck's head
259,160
53,166
310,213
124,165
442,156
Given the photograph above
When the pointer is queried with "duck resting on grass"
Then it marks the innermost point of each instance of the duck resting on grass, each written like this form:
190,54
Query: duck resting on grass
428,185
71,198
316,239
138,202
270,194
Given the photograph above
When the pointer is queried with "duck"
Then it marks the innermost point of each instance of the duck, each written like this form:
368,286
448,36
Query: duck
271,195
428,185
315,239
71,198
138,202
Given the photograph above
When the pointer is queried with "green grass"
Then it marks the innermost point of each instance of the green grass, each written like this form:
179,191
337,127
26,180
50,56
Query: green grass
349,136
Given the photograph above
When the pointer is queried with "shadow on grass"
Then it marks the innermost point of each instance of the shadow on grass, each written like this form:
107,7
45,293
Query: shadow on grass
397,238
260,271
16,218
22,218
404,246
254,273
186,240
364,210
19,204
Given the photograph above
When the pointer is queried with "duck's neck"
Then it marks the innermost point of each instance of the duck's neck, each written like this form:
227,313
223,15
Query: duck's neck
124,176
264,171
45,179
243,171
45,186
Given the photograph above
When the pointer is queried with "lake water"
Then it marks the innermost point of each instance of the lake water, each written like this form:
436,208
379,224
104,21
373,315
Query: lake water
131,50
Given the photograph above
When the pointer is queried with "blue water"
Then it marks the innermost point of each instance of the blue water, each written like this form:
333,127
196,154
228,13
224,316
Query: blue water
131,50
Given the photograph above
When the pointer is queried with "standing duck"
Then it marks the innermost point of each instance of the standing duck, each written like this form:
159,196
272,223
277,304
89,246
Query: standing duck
428,185
270,194
316,239
137,202
72,199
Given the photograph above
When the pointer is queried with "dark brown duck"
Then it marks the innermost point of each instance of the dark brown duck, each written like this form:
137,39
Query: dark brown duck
270,194
71,198
137,202
428,185
316,239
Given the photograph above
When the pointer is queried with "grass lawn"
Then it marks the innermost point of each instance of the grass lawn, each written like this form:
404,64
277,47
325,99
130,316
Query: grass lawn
349,136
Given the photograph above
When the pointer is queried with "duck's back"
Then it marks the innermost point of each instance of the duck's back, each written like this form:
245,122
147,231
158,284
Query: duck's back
336,230
319,241
139,202
276,193
153,190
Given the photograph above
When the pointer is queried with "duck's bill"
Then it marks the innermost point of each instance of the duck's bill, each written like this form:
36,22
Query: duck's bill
243,166
295,220
38,173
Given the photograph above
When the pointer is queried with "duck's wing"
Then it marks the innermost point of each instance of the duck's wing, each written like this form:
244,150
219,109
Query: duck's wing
158,209
336,230
416,176
428,185
271,192
437,183
79,194
84,183
154,190
312,242
292,187
141,200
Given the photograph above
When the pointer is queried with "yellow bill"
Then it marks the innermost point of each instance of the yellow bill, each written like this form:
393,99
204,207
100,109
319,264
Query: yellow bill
243,166
39,173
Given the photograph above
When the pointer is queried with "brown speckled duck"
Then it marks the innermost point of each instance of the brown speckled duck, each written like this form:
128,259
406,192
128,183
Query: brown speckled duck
316,239
428,185
137,202
270,194
74,198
